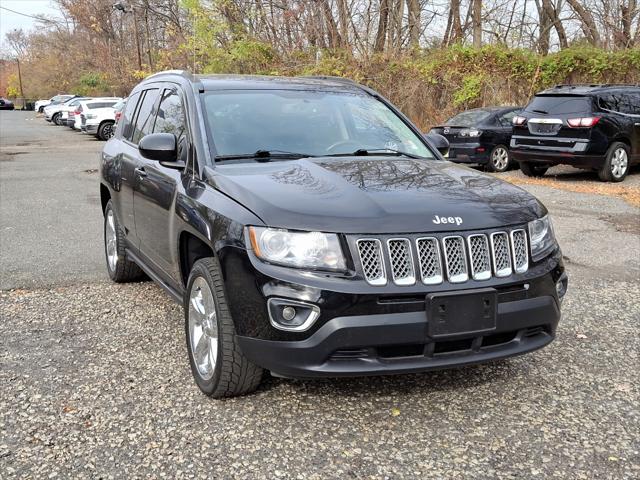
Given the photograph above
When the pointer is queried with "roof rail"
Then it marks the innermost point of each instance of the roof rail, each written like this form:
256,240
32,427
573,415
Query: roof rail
331,77
182,73
594,85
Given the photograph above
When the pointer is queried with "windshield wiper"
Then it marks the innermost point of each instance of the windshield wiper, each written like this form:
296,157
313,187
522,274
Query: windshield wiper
540,111
264,155
363,152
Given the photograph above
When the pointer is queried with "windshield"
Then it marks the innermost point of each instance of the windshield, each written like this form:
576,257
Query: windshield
469,118
559,105
310,122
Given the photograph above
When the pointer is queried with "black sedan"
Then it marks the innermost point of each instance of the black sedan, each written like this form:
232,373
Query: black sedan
6,104
480,136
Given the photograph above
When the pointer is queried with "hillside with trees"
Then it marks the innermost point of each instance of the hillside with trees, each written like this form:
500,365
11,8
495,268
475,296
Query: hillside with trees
430,57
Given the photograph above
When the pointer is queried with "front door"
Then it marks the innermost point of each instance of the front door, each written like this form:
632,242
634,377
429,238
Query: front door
155,197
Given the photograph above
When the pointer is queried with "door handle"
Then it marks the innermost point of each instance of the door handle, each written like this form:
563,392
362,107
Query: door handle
140,172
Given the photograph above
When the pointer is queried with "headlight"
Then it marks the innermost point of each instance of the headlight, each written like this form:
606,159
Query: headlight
541,238
313,250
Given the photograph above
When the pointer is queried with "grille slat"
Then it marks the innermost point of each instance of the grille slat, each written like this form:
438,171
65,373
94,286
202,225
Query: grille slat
480,257
401,261
372,263
477,256
519,251
430,263
501,254
455,259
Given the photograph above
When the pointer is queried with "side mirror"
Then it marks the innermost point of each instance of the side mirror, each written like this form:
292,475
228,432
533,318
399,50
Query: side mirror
439,142
161,147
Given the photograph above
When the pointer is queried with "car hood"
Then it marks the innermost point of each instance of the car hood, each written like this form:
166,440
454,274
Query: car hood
374,195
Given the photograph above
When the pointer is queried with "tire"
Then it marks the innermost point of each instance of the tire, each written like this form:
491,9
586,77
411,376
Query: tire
531,170
120,269
40,109
499,159
105,131
56,119
616,164
230,374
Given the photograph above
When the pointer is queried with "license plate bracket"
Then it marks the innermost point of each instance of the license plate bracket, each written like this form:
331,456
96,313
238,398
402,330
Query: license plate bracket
457,313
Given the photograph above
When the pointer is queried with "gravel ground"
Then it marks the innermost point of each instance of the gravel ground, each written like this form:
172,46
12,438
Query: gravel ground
95,380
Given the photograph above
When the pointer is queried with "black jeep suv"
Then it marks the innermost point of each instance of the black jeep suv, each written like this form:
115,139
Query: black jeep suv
309,229
586,126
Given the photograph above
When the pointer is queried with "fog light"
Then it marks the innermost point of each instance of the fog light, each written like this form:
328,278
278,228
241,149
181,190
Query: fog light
288,313
292,315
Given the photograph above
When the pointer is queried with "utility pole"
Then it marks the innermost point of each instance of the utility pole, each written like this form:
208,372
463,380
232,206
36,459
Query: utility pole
20,79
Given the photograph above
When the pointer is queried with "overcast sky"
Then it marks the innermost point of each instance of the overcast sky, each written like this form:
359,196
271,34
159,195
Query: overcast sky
10,21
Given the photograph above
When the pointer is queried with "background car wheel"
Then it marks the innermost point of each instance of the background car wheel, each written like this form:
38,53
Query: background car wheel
531,170
120,269
56,119
40,109
499,159
219,367
105,131
616,165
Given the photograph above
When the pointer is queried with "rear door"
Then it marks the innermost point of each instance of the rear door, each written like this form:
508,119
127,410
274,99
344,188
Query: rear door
155,194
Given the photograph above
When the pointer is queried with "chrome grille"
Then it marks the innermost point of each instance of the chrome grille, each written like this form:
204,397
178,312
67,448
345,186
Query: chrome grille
501,256
455,259
429,258
401,261
479,256
519,250
371,258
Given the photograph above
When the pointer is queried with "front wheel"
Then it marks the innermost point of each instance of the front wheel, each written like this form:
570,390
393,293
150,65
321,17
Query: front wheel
616,165
218,366
533,170
499,160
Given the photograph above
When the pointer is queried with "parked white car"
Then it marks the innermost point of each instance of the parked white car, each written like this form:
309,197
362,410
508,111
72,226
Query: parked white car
98,117
53,111
65,118
40,104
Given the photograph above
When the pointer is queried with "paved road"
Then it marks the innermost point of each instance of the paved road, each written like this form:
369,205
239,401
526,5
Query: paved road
50,220
95,381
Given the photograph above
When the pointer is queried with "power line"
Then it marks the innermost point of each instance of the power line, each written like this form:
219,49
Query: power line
41,19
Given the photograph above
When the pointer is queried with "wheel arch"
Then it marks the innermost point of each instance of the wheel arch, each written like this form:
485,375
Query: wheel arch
191,249
105,196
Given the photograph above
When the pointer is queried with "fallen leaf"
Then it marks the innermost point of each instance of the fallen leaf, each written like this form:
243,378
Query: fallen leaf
581,336
395,412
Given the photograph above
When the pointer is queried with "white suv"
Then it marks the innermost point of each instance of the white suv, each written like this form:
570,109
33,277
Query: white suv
97,116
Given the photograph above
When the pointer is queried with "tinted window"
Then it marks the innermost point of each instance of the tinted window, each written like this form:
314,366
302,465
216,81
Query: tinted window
622,102
469,118
507,118
144,119
170,119
127,116
559,105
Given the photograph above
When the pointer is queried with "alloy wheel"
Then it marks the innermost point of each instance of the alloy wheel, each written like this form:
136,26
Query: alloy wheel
500,158
111,240
619,162
203,328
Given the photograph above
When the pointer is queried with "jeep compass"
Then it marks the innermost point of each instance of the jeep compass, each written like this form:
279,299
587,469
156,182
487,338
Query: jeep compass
309,229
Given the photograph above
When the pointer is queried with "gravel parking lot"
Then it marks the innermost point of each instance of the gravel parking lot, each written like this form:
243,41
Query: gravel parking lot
95,381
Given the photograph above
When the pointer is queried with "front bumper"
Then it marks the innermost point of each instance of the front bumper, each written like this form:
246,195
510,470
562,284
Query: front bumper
369,332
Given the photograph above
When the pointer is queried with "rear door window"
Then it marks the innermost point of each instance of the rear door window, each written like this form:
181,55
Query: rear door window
559,104
506,119
127,116
145,117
